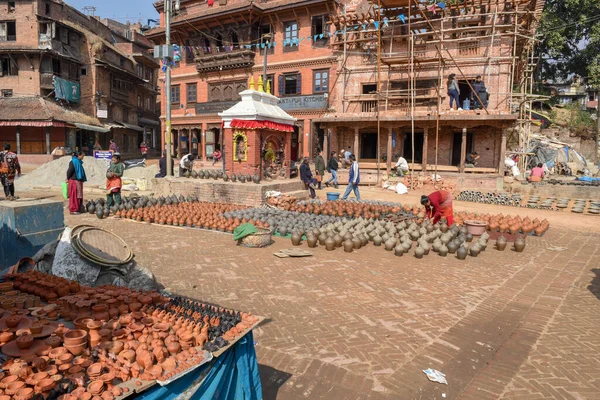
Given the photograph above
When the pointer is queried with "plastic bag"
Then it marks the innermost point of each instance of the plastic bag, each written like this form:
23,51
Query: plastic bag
65,190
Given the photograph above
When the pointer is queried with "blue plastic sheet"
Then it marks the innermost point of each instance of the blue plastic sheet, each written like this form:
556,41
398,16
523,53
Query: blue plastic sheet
232,376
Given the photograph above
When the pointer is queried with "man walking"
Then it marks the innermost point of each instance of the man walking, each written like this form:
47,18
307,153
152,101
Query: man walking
353,179
332,167
319,168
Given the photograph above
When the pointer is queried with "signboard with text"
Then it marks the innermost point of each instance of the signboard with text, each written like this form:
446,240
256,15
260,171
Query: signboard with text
316,101
103,154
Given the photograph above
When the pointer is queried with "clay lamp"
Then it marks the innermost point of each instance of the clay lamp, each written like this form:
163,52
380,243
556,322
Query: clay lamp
147,321
94,370
107,396
96,387
63,359
63,368
24,341
12,388
135,307
6,336
137,315
25,393
8,380
40,363
125,319
119,334
35,378
45,385
57,352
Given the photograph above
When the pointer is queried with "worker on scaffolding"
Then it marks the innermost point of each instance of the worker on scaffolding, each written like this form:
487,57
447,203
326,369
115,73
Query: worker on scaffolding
479,93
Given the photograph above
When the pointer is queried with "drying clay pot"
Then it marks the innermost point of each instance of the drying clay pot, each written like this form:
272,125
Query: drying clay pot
519,245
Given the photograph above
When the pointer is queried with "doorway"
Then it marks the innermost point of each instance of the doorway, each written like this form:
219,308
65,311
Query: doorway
368,145
408,144
465,92
294,149
456,143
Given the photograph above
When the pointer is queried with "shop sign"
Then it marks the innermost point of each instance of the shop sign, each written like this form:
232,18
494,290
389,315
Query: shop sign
316,101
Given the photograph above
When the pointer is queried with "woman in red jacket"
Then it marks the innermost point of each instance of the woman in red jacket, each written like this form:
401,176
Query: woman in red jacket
437,205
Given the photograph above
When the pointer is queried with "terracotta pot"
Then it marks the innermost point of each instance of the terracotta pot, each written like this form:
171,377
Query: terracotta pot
96,387
53,341
75,349
75,337
12,321
6,336
25,341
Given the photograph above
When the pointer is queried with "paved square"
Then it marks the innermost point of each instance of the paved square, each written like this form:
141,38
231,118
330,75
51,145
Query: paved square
364,325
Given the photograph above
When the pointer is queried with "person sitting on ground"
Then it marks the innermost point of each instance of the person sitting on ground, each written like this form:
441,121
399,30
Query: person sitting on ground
216,156
471,159
307,178
162,166
402,166
537,173
186,164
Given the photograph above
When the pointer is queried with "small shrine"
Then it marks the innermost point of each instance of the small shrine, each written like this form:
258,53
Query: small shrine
257,134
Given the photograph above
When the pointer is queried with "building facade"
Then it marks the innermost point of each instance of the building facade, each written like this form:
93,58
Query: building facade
393,99
225,43
93,70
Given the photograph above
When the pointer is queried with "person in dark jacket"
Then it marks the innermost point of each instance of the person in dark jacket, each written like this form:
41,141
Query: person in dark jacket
75,178
307,178
162,166
332,167
353,179
320,168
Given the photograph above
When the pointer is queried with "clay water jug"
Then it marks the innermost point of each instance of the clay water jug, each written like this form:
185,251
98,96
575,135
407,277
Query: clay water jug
399,250
390,244
323,238
338,240
443,251
296,238
474,250
348,246
501,243
452,247
377,240
329,243
519,245
312,240
357,243
461,253
419,252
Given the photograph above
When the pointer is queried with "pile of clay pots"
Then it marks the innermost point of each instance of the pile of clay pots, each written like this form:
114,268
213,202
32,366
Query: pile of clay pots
501,223
350,208
133,202
399,238
220,175
282,222
119,335
201,215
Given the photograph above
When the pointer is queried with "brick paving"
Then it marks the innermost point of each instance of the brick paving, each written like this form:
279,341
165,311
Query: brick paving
365,325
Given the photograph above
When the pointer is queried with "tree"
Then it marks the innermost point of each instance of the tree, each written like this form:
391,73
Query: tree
570,40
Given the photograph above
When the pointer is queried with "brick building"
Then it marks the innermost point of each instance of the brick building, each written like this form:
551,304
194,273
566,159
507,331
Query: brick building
99,73
220,54
418,48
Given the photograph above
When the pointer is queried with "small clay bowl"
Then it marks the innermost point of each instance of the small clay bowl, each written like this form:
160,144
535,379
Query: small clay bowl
81,323
94,369
35,378
8,380
76,349
75,369
12,388
43,350
24,341
24,394
75,337
36,328
96,387
51,370
64,359
63,368
57,352
12,321
46,385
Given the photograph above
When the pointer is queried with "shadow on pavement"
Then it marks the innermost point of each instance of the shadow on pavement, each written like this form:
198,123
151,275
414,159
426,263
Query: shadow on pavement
271,380
594,285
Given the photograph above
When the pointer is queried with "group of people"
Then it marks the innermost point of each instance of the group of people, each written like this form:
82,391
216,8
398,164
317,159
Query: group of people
314,182
478,96
76,178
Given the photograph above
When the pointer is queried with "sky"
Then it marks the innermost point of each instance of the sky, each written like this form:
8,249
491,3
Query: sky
120,10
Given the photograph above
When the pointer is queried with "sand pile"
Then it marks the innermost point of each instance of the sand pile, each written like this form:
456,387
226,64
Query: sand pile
54,173
140,172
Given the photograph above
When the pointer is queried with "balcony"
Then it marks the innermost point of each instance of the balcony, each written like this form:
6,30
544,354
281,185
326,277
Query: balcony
234,59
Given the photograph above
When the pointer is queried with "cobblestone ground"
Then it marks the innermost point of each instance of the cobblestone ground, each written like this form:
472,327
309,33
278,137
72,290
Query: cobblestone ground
364,325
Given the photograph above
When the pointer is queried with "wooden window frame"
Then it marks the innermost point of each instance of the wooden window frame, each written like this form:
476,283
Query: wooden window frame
290,47
320,71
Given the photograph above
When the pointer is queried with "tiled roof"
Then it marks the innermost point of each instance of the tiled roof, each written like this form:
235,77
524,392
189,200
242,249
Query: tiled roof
39,109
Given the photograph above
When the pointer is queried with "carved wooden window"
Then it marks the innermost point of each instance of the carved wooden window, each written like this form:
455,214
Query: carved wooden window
470,48
226,91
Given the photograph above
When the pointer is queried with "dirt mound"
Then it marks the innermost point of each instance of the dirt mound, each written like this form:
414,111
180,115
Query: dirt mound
54,173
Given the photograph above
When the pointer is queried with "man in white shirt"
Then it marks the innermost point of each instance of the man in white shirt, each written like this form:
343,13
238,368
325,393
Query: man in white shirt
402,166
186,164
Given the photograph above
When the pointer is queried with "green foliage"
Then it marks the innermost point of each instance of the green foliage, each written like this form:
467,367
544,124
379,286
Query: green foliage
570,40
578,121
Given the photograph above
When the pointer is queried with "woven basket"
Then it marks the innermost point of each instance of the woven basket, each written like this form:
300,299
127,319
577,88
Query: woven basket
262,238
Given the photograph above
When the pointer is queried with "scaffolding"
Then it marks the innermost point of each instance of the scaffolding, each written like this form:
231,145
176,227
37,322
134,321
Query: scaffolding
416,40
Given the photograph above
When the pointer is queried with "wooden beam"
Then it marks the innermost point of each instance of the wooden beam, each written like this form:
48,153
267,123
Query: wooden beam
463,150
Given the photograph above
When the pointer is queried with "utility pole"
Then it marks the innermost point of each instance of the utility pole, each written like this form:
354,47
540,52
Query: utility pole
268,37
169,157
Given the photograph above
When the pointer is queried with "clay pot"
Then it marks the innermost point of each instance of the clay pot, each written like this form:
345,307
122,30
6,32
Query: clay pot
6,336
312,241
377,240
53,341
36,328
338,240
348,246
329,244
128,355
24,341
501,243
135,306
45,385
75,337
174,348
96,387
419,252
474,250
24,394
296,239
12,321
14,387
519,245
443,251
461,253
399,250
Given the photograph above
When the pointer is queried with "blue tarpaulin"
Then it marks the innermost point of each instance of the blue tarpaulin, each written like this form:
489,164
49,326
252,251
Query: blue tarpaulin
232,376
